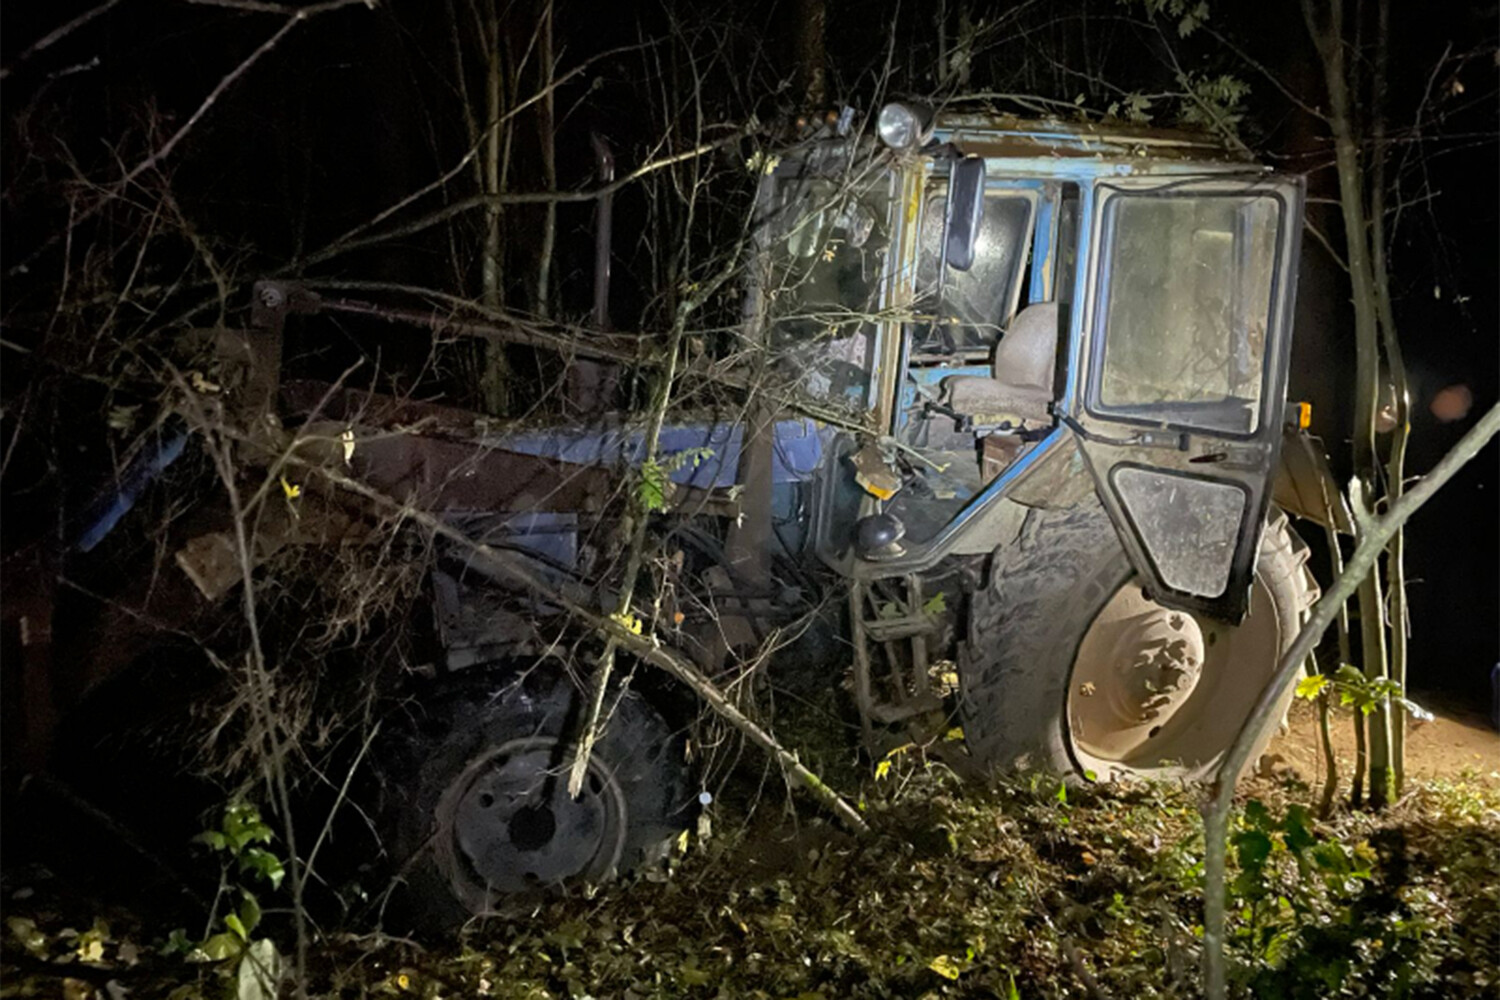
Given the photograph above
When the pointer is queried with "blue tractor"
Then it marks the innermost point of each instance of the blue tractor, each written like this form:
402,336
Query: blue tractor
1020,403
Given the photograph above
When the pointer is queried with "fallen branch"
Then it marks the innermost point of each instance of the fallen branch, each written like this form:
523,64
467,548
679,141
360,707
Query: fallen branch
516,570
1374,534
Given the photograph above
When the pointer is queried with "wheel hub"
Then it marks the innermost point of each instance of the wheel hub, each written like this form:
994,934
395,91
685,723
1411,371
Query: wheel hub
1138,666
1155,663
507,824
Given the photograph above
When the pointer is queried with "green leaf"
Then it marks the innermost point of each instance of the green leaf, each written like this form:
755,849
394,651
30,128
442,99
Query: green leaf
1011,993
936,604
1062,792
249,912
691,975
1310,687
688,456
265,864
651,491
1252,848
1258,816
1332,857
213,838
25,931
233,922
221,946
242,826
260,972
1349,674
178,943
946,966
1298,829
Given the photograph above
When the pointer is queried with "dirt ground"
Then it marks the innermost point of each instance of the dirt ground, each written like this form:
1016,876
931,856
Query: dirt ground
1458,739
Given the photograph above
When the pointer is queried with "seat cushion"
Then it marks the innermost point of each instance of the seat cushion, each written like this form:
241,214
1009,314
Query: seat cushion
990,403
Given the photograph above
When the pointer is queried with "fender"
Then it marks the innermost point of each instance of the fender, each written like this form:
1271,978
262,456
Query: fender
1305,486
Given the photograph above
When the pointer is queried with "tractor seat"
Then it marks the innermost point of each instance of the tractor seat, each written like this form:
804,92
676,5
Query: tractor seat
1020,390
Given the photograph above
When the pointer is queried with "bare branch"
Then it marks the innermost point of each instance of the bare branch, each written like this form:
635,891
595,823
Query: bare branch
58,34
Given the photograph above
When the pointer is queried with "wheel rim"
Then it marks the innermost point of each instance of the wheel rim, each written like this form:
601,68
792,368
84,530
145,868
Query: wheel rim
1154,689
506,823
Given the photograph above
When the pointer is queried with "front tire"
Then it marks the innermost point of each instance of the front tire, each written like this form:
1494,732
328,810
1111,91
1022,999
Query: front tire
481,815
1070,669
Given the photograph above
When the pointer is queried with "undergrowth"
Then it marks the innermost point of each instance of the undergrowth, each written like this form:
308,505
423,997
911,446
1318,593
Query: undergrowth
1023,890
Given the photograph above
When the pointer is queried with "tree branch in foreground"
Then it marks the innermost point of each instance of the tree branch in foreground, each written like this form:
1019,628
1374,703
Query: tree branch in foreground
1374,534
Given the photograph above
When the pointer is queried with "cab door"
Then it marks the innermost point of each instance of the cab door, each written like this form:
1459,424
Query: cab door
1186,331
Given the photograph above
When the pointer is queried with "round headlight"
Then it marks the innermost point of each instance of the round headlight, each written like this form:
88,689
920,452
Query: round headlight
902,126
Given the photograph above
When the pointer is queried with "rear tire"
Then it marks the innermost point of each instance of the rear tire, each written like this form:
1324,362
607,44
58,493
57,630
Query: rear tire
1029,700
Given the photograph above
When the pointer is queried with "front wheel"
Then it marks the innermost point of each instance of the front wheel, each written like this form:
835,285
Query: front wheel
1070,668
482,815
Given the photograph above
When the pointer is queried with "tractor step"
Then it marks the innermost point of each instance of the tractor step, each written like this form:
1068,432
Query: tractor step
887,714
906,687
905,627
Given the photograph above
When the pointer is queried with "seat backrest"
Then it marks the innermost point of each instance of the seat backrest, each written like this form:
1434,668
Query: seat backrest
1026,356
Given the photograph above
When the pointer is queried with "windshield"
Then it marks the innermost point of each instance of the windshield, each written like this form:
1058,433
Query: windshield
1187,304
974,303
829,259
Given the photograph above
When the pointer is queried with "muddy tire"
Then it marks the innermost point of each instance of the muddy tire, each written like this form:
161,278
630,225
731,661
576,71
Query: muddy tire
481,819
1048,683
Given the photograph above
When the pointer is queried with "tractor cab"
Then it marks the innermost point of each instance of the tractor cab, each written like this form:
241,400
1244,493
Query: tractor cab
996,312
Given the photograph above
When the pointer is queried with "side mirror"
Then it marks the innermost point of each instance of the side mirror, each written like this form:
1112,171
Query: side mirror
965,212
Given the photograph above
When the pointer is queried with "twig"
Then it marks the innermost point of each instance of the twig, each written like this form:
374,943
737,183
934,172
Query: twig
58,34
262,688
312,855
1081,970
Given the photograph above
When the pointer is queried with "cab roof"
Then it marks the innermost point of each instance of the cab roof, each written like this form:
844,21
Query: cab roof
992,134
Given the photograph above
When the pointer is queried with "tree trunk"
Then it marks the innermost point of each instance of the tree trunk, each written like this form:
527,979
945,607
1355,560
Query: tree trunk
547,124
1329,41
1396,457
495,383
812,55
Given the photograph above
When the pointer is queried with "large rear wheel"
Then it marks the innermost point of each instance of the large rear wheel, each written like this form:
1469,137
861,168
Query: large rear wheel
1069,667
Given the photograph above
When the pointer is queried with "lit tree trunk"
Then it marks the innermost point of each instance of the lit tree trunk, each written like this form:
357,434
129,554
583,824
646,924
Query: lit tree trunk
1329,40
494,102
1396,458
